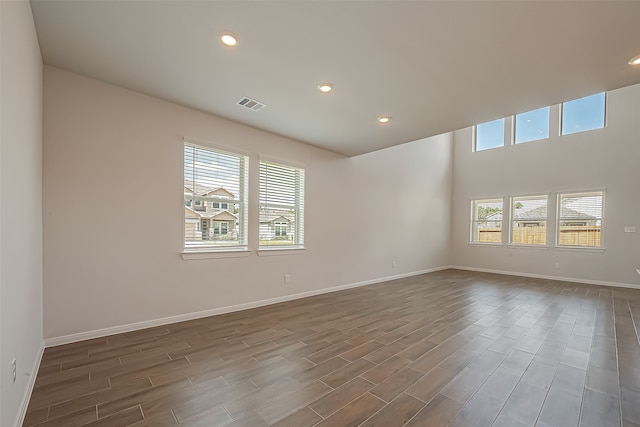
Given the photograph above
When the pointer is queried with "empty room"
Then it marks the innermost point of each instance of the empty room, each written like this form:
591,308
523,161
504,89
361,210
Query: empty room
314,213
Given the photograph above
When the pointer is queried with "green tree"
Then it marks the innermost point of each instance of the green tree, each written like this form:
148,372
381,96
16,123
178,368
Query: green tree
486,212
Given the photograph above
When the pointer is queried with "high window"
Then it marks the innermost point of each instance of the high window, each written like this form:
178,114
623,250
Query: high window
583,114
580,219
529,220
532,125
208,171
489,135
486,221
281,203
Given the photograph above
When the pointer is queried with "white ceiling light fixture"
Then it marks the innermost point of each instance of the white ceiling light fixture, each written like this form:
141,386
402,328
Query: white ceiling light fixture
635,60
384,119
325,87
229,39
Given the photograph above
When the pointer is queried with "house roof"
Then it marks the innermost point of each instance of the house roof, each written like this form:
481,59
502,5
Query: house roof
271,216
530,214
201,190
217,215
434,66
539,213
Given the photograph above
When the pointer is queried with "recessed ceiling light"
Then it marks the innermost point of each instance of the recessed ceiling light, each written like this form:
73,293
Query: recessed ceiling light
384,119
325,87
229,39
635,60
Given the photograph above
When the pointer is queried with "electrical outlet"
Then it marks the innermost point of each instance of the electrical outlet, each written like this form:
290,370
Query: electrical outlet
393,264
630,229
287,278
13,371
557,265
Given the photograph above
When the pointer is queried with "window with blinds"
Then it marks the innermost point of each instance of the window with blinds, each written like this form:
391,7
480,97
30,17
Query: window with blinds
529,220
486,221
580,219
281,203
215,198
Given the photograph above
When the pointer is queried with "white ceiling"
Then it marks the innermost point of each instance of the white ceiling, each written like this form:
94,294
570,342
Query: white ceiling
433,66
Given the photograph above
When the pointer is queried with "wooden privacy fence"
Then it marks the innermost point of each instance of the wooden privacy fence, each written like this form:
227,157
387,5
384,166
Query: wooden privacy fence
569,236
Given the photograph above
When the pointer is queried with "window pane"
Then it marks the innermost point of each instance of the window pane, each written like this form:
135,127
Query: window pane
529,220
281,201
209,176
583,114
580,219
532,125
490,135
487,221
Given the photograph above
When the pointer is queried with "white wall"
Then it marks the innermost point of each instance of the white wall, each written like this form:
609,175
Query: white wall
21,206
607,159
113,211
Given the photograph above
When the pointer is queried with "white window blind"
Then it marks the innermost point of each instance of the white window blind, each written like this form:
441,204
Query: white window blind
215,198
580,219
486,221
281,202
529,220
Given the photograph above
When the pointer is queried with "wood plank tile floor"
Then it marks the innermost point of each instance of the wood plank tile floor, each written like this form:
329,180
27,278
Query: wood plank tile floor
449,348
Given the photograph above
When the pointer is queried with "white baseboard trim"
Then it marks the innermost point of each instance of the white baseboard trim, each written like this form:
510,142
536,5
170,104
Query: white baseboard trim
81,336
542,276
29,390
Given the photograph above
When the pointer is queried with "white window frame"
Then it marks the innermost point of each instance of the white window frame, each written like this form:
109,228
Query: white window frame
515,126
512,201
504,133
298,231
474,203
221,249
560,195
604,122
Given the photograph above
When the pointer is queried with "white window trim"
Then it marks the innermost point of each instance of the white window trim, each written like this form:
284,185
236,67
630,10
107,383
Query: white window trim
235,251
523,246
513,126
215,254
580,248
281,250
486,244
273,250
510,237
472,218
602,246
506,139
606,115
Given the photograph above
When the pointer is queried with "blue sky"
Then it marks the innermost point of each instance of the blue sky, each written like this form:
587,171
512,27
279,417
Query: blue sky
490,135
583,114
578,115
532,125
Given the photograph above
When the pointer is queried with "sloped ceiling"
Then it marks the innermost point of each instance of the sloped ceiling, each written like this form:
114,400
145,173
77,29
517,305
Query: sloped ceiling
433,66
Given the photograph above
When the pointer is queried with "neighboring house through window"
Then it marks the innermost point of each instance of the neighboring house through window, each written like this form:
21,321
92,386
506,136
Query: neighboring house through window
281,201
580,219
215,198
529,220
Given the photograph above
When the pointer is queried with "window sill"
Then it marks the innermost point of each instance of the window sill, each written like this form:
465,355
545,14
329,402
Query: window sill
538,247
214,254
579,248
487,244
281,251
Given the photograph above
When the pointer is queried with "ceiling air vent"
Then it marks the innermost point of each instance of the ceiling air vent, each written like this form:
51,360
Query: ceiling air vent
251,104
